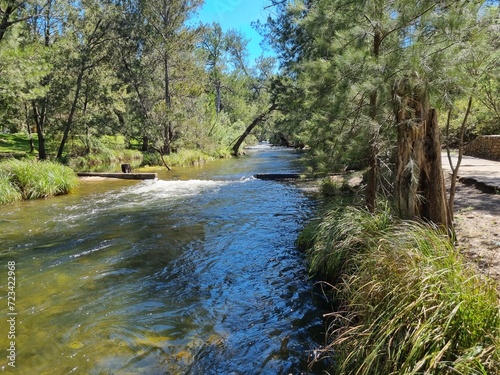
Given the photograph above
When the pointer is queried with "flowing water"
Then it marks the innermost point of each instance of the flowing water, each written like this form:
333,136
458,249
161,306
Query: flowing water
194,273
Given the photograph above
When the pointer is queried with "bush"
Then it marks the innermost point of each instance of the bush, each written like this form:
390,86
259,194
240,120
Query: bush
35,179
409,302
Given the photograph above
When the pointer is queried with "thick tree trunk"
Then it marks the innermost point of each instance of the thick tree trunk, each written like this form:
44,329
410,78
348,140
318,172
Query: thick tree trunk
420,187
434,206
28,128
250,127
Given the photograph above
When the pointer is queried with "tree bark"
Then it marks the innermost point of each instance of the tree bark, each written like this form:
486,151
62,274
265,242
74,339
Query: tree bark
420,187
250,127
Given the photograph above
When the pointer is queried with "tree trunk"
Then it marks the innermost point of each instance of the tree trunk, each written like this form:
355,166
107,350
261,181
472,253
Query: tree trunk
72,112
217,97
28,128
5,22
454,169
250,127
39,118
420,187
371,186
168,130
145,143
434,206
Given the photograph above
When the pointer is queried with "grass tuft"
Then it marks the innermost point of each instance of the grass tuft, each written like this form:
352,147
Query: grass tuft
409,302
36,179
8,192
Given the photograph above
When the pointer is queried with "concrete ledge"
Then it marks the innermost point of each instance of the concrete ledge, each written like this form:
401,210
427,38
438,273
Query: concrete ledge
124,176
277,176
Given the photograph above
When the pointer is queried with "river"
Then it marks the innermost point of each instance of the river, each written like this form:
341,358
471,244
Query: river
194,273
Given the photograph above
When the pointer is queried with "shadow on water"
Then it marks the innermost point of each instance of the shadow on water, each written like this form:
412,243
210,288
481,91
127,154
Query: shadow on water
195,273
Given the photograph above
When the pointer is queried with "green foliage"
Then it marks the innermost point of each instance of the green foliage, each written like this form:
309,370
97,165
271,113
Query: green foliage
15,145
95,152
35,179
151,159
408,302
343,58
8,192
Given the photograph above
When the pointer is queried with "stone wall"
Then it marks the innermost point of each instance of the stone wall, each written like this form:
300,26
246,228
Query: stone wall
484,146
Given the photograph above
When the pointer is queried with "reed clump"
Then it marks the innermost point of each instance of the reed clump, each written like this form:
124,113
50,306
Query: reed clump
29,179
406,300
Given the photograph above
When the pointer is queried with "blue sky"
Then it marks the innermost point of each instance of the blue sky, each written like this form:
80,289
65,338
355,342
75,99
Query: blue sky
237,14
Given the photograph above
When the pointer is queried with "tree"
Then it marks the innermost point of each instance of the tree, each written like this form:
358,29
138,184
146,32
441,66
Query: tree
16,11
364,70
169,40
215,46
94,32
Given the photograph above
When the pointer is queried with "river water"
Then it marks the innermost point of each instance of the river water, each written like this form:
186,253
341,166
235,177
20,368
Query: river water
194,273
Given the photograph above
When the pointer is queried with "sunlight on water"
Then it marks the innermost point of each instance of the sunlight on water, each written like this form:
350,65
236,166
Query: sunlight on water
184,276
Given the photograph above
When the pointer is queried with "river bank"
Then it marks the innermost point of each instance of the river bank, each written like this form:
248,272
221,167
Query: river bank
30,179
403,295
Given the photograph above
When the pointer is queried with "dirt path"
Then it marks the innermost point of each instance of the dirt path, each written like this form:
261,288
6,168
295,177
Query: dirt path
477,223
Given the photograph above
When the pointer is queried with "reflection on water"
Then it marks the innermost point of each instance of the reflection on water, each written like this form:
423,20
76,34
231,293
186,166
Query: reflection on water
196,273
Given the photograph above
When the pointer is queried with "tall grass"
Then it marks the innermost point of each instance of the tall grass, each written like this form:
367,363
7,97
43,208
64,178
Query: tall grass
8,192
408,303
34,179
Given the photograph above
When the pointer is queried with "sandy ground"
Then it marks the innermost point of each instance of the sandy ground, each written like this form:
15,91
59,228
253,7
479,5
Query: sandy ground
477,224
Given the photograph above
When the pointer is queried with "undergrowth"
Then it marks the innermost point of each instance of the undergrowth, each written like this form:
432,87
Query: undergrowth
406,300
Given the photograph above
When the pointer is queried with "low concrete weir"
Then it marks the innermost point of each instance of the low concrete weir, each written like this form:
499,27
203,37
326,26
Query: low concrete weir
125,176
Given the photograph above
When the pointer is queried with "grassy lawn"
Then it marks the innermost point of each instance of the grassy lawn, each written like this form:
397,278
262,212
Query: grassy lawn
15,145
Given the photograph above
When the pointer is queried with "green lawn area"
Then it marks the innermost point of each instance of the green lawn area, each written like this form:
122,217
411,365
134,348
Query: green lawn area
15,145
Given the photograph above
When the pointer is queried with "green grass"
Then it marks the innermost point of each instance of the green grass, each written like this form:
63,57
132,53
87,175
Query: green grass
8,192
15,145
407,302
34,179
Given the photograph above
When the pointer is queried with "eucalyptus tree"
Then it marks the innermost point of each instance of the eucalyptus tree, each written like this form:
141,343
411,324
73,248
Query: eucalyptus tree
93,35
214,46
44,31
171,42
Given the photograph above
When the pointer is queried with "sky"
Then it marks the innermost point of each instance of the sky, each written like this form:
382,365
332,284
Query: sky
237,14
